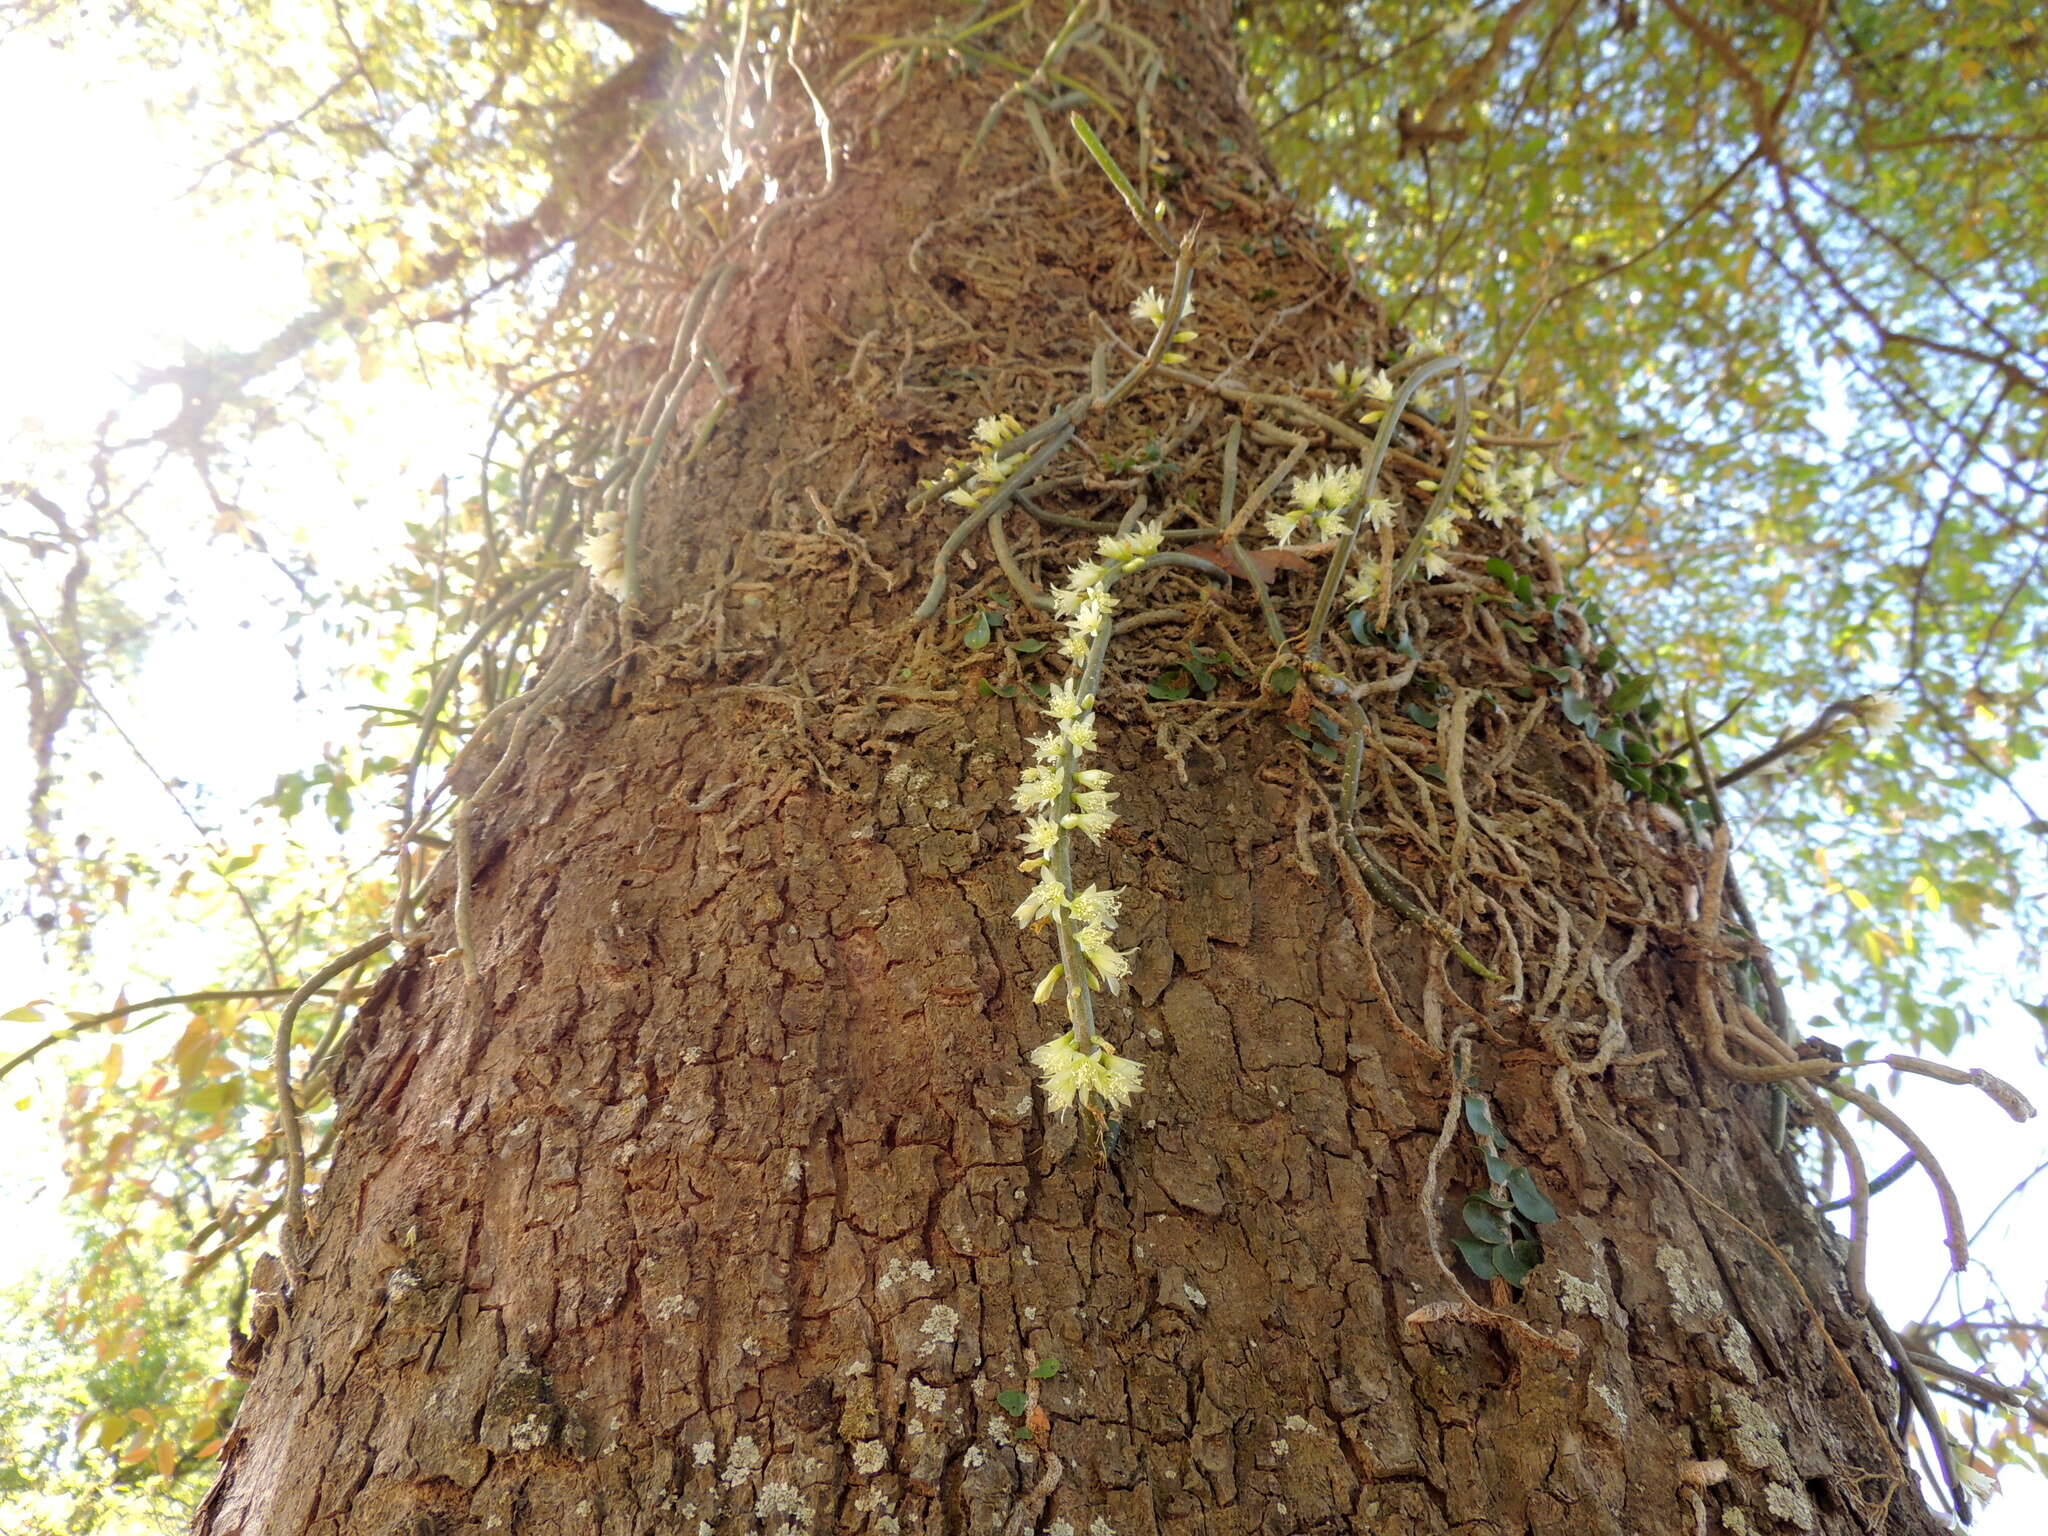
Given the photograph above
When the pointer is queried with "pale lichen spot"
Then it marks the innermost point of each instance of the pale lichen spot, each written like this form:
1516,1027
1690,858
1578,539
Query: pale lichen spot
900,1270
1613,1402
704,1453
869,1457
1691,1292
742,1462
1297,1425
1735,1348
782,1499
1582,1298
975,1458
1754,1438
1194,1294
1790,1505
530,1433
941,1327
927,1400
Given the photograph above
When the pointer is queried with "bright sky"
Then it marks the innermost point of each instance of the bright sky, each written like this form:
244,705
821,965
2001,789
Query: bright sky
106,271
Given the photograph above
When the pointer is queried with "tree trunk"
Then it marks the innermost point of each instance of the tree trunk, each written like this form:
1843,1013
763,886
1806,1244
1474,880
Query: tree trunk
725,1199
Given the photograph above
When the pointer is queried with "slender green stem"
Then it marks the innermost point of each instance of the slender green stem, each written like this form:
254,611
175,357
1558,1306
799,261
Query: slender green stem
1383,440
1120,181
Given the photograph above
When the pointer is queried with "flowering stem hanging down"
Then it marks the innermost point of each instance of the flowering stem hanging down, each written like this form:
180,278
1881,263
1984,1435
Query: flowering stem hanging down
1063,797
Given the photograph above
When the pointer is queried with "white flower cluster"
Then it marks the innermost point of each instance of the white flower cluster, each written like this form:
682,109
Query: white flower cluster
603,552
1150,307
1319,500
1352,379
1501,495
992,468
1062,796
1880,715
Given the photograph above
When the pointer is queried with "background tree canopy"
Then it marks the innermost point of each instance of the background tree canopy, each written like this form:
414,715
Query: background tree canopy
1773,267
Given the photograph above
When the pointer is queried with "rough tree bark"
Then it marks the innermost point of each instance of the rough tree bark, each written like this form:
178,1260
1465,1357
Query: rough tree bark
725,1201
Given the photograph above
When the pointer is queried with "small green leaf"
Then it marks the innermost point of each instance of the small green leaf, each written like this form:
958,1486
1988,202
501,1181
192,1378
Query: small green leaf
1012,1402
1204,678
1285,680
1498,1168
1047,1368
1529,1197
1513,1262
1478,1256
1632,692
1422,717
978,632
1486,1223
1172,684
1027,647
1578,711
1477,1117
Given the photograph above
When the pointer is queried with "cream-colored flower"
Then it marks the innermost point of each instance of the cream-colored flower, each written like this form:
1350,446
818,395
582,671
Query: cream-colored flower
1096,908
1307,491
1149,306
1380,513
1047,898
603,553
1070,1077
1040,835
1108,964
1065,703
1332,525
1046,985
1129,548
1880,715
994,431
1379,388
1080,581
1093,823
1281,527
1364,586
1039,785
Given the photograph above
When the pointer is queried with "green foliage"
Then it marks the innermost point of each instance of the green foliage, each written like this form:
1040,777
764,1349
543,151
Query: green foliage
1786,286
1502,1219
